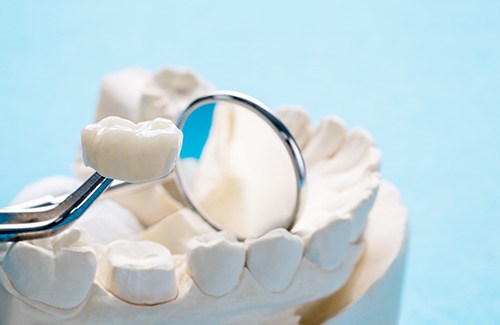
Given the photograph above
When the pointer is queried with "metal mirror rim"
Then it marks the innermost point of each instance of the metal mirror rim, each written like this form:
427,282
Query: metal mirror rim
272,120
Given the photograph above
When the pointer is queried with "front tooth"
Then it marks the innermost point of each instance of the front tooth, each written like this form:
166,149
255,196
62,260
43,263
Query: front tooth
325,141
283,249
139,272
60,276
327,246
215,263
120,149
297,122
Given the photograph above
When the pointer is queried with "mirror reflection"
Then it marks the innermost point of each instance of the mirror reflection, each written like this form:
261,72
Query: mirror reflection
236,170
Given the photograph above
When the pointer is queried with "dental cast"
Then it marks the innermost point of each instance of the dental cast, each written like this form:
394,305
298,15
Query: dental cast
212,284
120,149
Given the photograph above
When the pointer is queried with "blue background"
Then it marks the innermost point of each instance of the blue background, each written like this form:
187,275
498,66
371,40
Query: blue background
423,77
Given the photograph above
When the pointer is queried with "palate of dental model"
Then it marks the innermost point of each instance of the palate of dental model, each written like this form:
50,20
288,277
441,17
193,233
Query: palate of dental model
120,149
175,231
274,258
297,122
326,139
326,246
58,273
215,262
139,272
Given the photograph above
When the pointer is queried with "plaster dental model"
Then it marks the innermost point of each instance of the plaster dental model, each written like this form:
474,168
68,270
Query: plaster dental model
341,263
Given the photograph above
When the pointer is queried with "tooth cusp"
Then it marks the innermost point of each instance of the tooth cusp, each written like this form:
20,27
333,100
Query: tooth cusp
273,259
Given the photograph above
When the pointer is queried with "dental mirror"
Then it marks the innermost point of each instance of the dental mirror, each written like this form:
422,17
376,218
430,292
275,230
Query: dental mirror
241,169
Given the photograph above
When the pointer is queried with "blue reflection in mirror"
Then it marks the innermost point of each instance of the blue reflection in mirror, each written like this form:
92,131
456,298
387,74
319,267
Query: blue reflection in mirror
196,131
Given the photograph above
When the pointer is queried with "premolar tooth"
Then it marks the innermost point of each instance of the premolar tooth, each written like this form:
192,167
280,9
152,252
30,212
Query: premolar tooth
215,263
273,258
326,247
107,221
139,272
175,231
325,141
60,277
297,122
149,205
120,149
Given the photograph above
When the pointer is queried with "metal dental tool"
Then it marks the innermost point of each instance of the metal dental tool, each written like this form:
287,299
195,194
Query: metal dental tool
204,118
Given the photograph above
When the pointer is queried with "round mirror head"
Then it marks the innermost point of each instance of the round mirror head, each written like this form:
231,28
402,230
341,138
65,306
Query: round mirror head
239,168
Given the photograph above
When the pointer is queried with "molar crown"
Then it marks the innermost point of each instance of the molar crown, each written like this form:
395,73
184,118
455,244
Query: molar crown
120,149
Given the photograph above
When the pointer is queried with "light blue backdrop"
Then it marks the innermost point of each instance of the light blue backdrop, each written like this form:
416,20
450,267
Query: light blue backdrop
422,76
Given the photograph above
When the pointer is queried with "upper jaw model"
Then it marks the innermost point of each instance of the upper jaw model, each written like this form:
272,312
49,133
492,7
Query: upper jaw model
157,262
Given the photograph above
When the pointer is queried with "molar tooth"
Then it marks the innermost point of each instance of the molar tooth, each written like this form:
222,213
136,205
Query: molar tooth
169,90
139,272
274,258
325,141
121,94
120,149
60,277
327,246
215,263
297,122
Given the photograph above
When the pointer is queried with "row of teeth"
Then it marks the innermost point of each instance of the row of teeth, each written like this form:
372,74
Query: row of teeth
343,181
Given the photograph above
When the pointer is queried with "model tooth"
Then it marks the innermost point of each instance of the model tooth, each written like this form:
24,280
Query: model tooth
139,272
168,91
59,274
107,221
120,149
149,205
297,122
274,258
121,94
53,185
352,151
359,215
175,231
325,141
327,246
215,263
